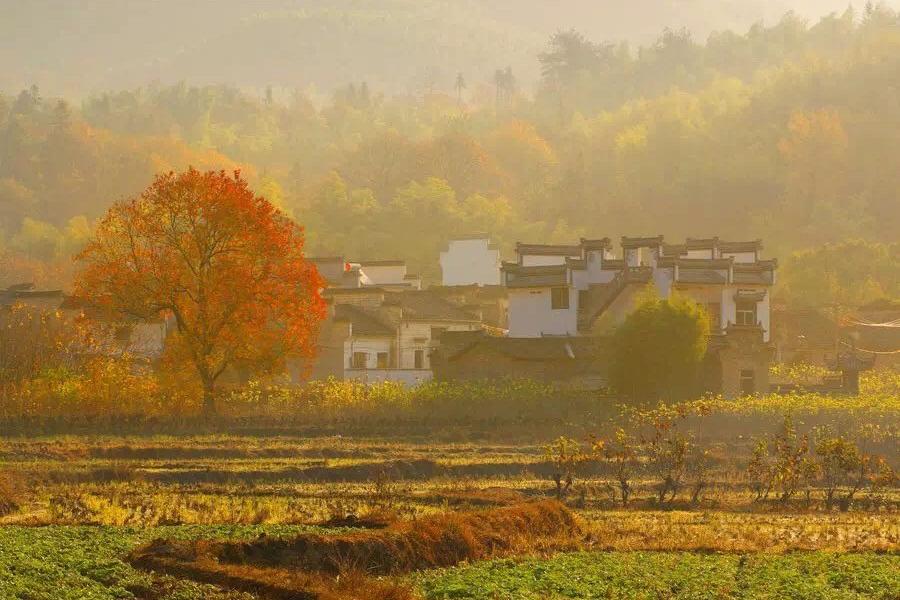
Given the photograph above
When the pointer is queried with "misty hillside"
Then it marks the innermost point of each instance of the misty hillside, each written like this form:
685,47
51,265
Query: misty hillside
396,45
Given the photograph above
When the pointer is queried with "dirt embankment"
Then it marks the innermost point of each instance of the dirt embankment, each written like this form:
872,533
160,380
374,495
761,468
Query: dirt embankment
277,567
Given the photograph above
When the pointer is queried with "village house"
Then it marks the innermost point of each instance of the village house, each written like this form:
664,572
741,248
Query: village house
583,290
804,335
386,274
845,341
382,326
375,334
26,294
577,362
140,339
488,302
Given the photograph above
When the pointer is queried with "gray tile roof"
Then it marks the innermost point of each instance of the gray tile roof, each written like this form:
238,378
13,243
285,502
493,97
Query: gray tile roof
532,281
426,305
454,344
700,276
756,277
364,322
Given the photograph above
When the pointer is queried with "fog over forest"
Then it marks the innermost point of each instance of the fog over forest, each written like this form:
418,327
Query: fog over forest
78,48
387,127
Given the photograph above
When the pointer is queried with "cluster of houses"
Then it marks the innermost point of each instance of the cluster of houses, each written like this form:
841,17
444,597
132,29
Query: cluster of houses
546,315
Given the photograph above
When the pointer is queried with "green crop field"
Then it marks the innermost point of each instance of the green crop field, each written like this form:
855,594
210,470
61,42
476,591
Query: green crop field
85,562
79,509
82,562
654,575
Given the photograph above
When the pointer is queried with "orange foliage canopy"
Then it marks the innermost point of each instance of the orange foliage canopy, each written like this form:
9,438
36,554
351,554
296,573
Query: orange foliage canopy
225,265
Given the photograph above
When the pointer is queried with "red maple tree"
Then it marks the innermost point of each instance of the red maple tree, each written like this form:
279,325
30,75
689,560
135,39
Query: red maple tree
225,265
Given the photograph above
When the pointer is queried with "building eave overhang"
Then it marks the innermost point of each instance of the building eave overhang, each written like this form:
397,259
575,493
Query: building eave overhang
535,270
523,249
642,242
751,296
597,244
701,243
748,246
760,265
704,263
336,291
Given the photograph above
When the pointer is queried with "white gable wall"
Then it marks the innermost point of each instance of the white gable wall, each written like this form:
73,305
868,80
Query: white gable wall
594,270
384,274
371,346
543,260
531,315
707,253
467,262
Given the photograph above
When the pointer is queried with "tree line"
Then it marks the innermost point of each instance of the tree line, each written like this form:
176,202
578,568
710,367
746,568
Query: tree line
787,132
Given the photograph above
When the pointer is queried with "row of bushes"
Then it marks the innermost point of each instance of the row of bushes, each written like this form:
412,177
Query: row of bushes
109,389
664,445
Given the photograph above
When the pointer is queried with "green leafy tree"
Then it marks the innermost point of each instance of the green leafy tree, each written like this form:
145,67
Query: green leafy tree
658,350
848,273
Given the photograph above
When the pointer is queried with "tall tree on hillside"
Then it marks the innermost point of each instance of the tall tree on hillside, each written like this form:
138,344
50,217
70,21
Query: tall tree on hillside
570,60
225,265
459,85
568,54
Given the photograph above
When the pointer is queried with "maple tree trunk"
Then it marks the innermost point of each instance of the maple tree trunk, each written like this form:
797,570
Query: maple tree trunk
209,395
209,401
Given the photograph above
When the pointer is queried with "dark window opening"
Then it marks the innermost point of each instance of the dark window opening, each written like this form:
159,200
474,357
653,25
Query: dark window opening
559,298
748,382
419,359
382,360
359,360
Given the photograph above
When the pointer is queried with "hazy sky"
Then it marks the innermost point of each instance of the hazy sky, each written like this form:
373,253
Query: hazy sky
76,47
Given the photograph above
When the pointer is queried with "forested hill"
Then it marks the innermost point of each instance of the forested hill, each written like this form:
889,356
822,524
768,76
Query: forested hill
789,133
398,46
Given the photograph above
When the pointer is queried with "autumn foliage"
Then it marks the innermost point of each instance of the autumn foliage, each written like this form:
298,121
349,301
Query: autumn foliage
223,265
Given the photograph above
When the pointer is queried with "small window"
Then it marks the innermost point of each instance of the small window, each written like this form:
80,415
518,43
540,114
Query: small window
419,359
382,360
359,360
748,382
746,313
559,298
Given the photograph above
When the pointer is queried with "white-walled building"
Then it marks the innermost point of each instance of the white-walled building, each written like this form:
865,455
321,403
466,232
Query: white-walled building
374,334
583,290
470,260
554,290
386,274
